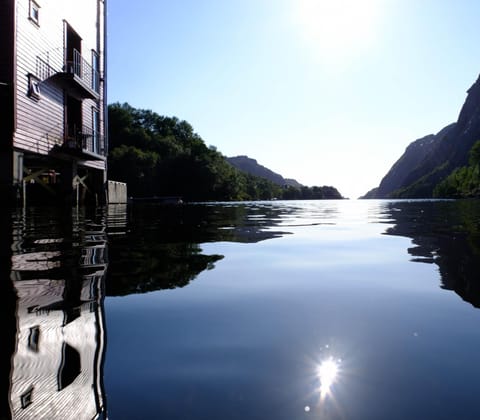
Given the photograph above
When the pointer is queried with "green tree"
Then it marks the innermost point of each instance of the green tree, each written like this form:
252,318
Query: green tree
163,156
475,154
134,166
464,181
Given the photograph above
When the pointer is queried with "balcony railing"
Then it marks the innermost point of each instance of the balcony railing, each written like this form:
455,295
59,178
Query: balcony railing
74,74
44,69
84,71
86,142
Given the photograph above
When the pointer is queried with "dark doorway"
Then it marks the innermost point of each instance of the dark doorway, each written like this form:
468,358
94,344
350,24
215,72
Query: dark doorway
73,51
73,118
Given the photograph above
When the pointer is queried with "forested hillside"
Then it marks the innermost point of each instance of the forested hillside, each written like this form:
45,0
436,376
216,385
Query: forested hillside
463,182
163,156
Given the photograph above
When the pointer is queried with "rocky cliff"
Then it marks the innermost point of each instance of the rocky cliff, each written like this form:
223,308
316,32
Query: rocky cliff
252,167
430,159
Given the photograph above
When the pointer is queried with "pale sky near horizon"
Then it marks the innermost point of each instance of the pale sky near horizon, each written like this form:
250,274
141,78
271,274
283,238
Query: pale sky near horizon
326,92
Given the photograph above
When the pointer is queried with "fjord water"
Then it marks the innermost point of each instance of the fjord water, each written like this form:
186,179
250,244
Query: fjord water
267,310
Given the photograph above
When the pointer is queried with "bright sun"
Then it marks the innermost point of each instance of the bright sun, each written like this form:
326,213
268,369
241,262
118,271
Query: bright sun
338,27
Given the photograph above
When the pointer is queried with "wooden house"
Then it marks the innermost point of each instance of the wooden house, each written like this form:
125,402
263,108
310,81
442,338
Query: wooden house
53,123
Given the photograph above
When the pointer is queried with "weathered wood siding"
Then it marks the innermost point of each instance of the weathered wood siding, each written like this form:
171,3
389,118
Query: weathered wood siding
40,122
7,65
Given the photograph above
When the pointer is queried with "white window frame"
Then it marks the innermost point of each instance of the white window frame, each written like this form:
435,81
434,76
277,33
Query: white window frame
95,68
27,398
33,87
34,12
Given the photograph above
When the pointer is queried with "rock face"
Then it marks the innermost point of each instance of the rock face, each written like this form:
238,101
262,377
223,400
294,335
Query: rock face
292,183
252,167
430,159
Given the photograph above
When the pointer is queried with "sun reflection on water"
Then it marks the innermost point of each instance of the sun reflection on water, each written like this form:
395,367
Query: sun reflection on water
327,373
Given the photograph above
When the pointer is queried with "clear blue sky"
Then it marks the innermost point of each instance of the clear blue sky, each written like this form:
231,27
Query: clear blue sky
326,92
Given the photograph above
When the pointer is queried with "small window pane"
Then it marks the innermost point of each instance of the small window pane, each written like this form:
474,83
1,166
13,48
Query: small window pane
95,71
33,87
96,130
34,338
34,12
26,398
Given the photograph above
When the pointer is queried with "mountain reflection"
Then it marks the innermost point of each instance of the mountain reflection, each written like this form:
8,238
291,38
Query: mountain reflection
447,234
54,321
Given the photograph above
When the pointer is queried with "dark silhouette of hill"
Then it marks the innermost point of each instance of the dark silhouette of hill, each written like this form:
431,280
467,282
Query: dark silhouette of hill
252,167
430,159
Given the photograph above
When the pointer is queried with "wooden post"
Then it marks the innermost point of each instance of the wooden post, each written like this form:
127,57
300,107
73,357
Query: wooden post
24,193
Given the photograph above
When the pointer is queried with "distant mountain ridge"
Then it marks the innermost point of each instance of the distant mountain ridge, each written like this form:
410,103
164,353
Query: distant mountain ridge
252,167
430,159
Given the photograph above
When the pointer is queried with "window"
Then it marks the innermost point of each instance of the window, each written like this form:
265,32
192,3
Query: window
95,71
96,130
33,87
34,338
34,12
26,398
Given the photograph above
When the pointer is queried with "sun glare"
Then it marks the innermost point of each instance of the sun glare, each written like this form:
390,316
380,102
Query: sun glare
338,27
327,374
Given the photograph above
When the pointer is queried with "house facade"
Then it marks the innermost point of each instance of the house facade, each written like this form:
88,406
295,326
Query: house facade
53,142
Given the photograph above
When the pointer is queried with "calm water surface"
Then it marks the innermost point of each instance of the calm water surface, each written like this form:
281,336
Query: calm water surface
267,310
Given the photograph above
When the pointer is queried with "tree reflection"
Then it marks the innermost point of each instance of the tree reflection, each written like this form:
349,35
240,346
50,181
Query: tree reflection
149,267
54,268
446,233
161,246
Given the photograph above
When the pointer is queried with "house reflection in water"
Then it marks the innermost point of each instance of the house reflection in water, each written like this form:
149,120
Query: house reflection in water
57,367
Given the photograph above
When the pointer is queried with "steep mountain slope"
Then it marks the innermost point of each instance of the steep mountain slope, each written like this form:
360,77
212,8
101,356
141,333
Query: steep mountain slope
412,159
252,167
430,159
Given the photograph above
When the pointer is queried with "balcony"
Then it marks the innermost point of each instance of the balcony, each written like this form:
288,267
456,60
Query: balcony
86,145
76,76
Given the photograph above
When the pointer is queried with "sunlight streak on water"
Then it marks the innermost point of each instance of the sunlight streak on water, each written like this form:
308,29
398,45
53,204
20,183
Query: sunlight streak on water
327,373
